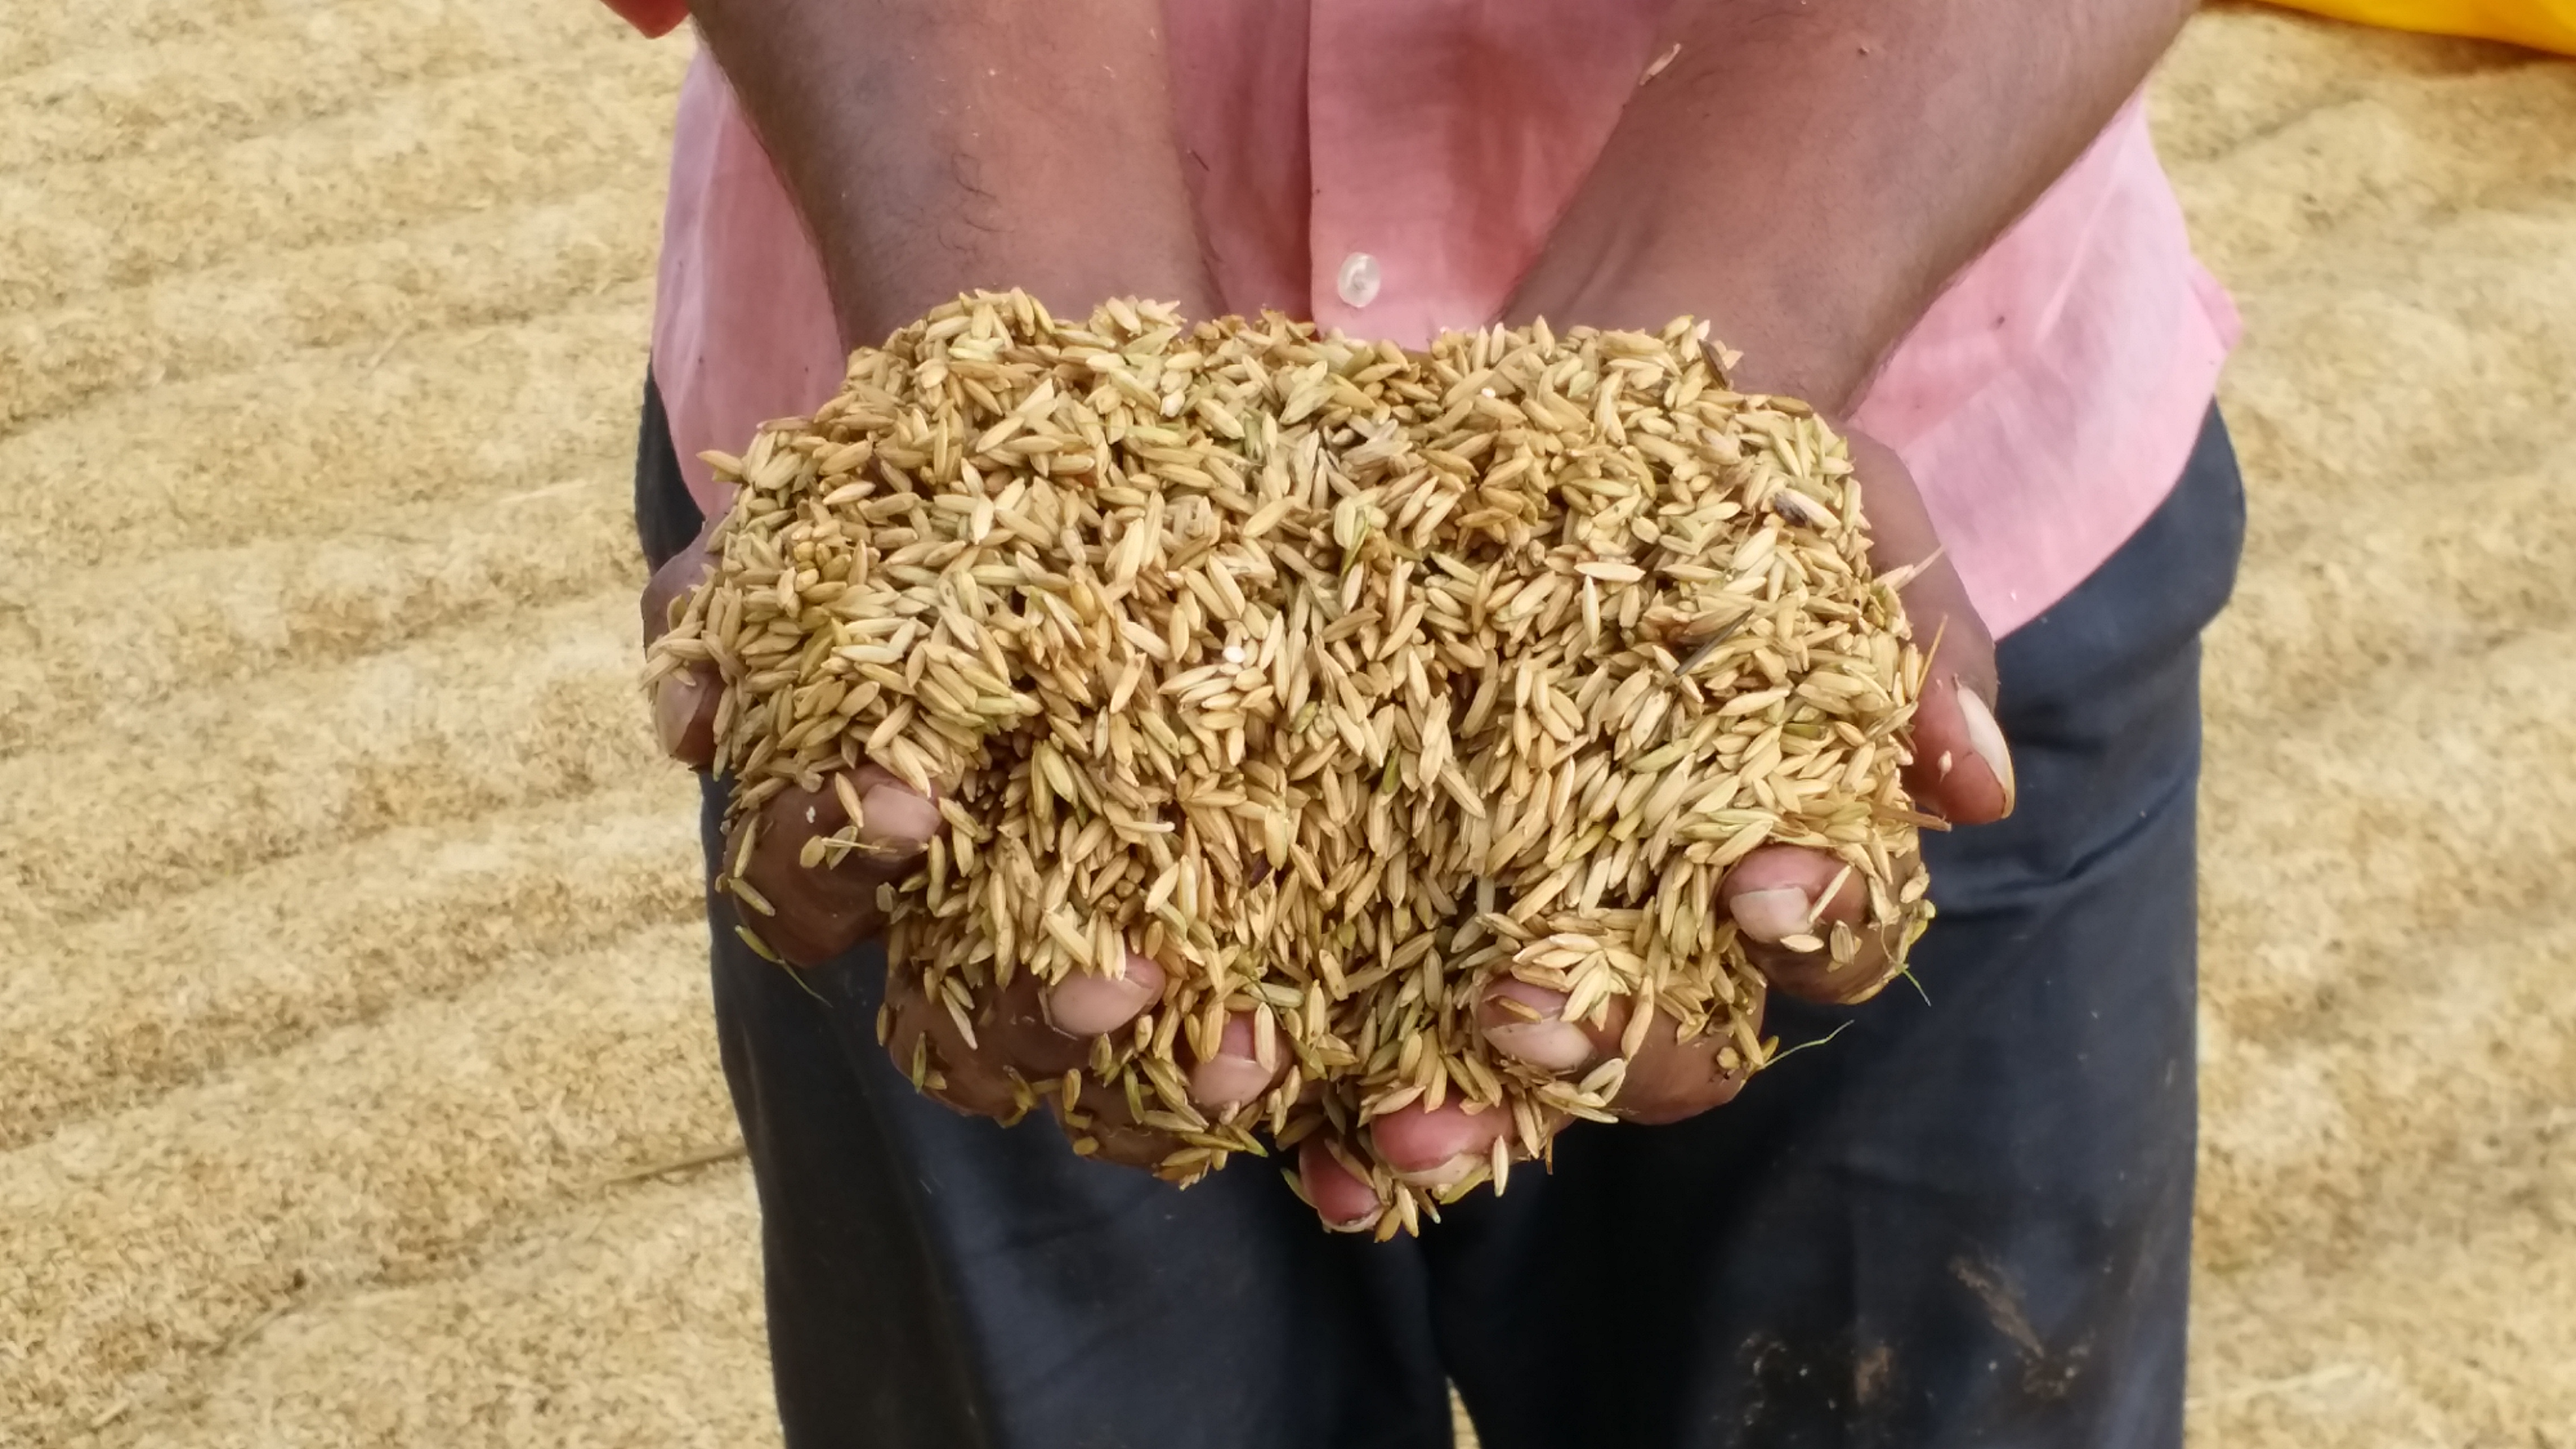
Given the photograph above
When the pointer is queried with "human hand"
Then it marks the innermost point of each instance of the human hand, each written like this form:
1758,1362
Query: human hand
805,888
1777,897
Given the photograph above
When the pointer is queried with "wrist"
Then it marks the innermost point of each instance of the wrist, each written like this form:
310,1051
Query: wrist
933,149
1798,338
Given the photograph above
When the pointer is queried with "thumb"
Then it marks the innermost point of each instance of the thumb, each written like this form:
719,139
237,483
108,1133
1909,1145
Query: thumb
1962,767
682,677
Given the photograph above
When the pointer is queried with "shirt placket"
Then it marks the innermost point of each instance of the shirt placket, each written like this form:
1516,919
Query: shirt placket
1366,281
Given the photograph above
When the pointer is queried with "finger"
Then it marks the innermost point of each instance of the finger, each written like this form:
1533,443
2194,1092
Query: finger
1103,1124
1669,1078
678,577
1045,1031
1341,1197
1243,1068
1665,1078
1042,1032
1439,1147
684,714
1961,761
1773,895
1525,1023
684,701
1083,1006
810,913
933,1047
1962,767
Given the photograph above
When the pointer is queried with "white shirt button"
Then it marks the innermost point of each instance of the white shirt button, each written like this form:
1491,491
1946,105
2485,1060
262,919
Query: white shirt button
1357,280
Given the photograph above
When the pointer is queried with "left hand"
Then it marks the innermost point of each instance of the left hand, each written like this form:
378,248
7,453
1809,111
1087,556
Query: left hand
809,913
1961,770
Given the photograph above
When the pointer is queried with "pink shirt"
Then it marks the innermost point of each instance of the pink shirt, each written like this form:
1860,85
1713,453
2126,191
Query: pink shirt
2045,403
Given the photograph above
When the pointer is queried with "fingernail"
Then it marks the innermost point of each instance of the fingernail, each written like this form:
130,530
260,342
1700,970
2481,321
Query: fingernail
1987,739
1448,1174
1087,1006
1771,915
1557,1046
675,707
897,817
1223,1081
1361,1220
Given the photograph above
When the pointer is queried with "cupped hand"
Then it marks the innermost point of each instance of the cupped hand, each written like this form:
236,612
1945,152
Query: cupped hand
804,887
1776,896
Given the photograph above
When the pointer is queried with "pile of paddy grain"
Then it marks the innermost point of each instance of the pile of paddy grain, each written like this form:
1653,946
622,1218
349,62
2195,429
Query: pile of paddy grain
1339,680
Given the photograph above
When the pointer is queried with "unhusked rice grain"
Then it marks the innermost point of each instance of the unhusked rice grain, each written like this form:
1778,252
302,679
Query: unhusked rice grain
1341,681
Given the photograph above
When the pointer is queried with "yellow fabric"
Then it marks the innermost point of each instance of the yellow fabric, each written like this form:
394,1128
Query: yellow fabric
2540,24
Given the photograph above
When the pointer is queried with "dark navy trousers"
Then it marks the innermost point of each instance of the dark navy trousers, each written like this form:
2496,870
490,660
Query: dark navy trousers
1965,1221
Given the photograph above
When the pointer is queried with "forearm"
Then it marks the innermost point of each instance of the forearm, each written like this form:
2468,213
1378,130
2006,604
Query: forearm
935,146
1808,174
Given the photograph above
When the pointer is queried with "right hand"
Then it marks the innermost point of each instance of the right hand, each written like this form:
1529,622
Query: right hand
819,913
1962,770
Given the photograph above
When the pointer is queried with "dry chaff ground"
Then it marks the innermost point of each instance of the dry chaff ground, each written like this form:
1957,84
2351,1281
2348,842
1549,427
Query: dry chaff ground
351,931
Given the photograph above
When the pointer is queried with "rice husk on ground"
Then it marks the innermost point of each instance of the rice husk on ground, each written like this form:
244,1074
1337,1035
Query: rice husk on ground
317,380
1342,682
